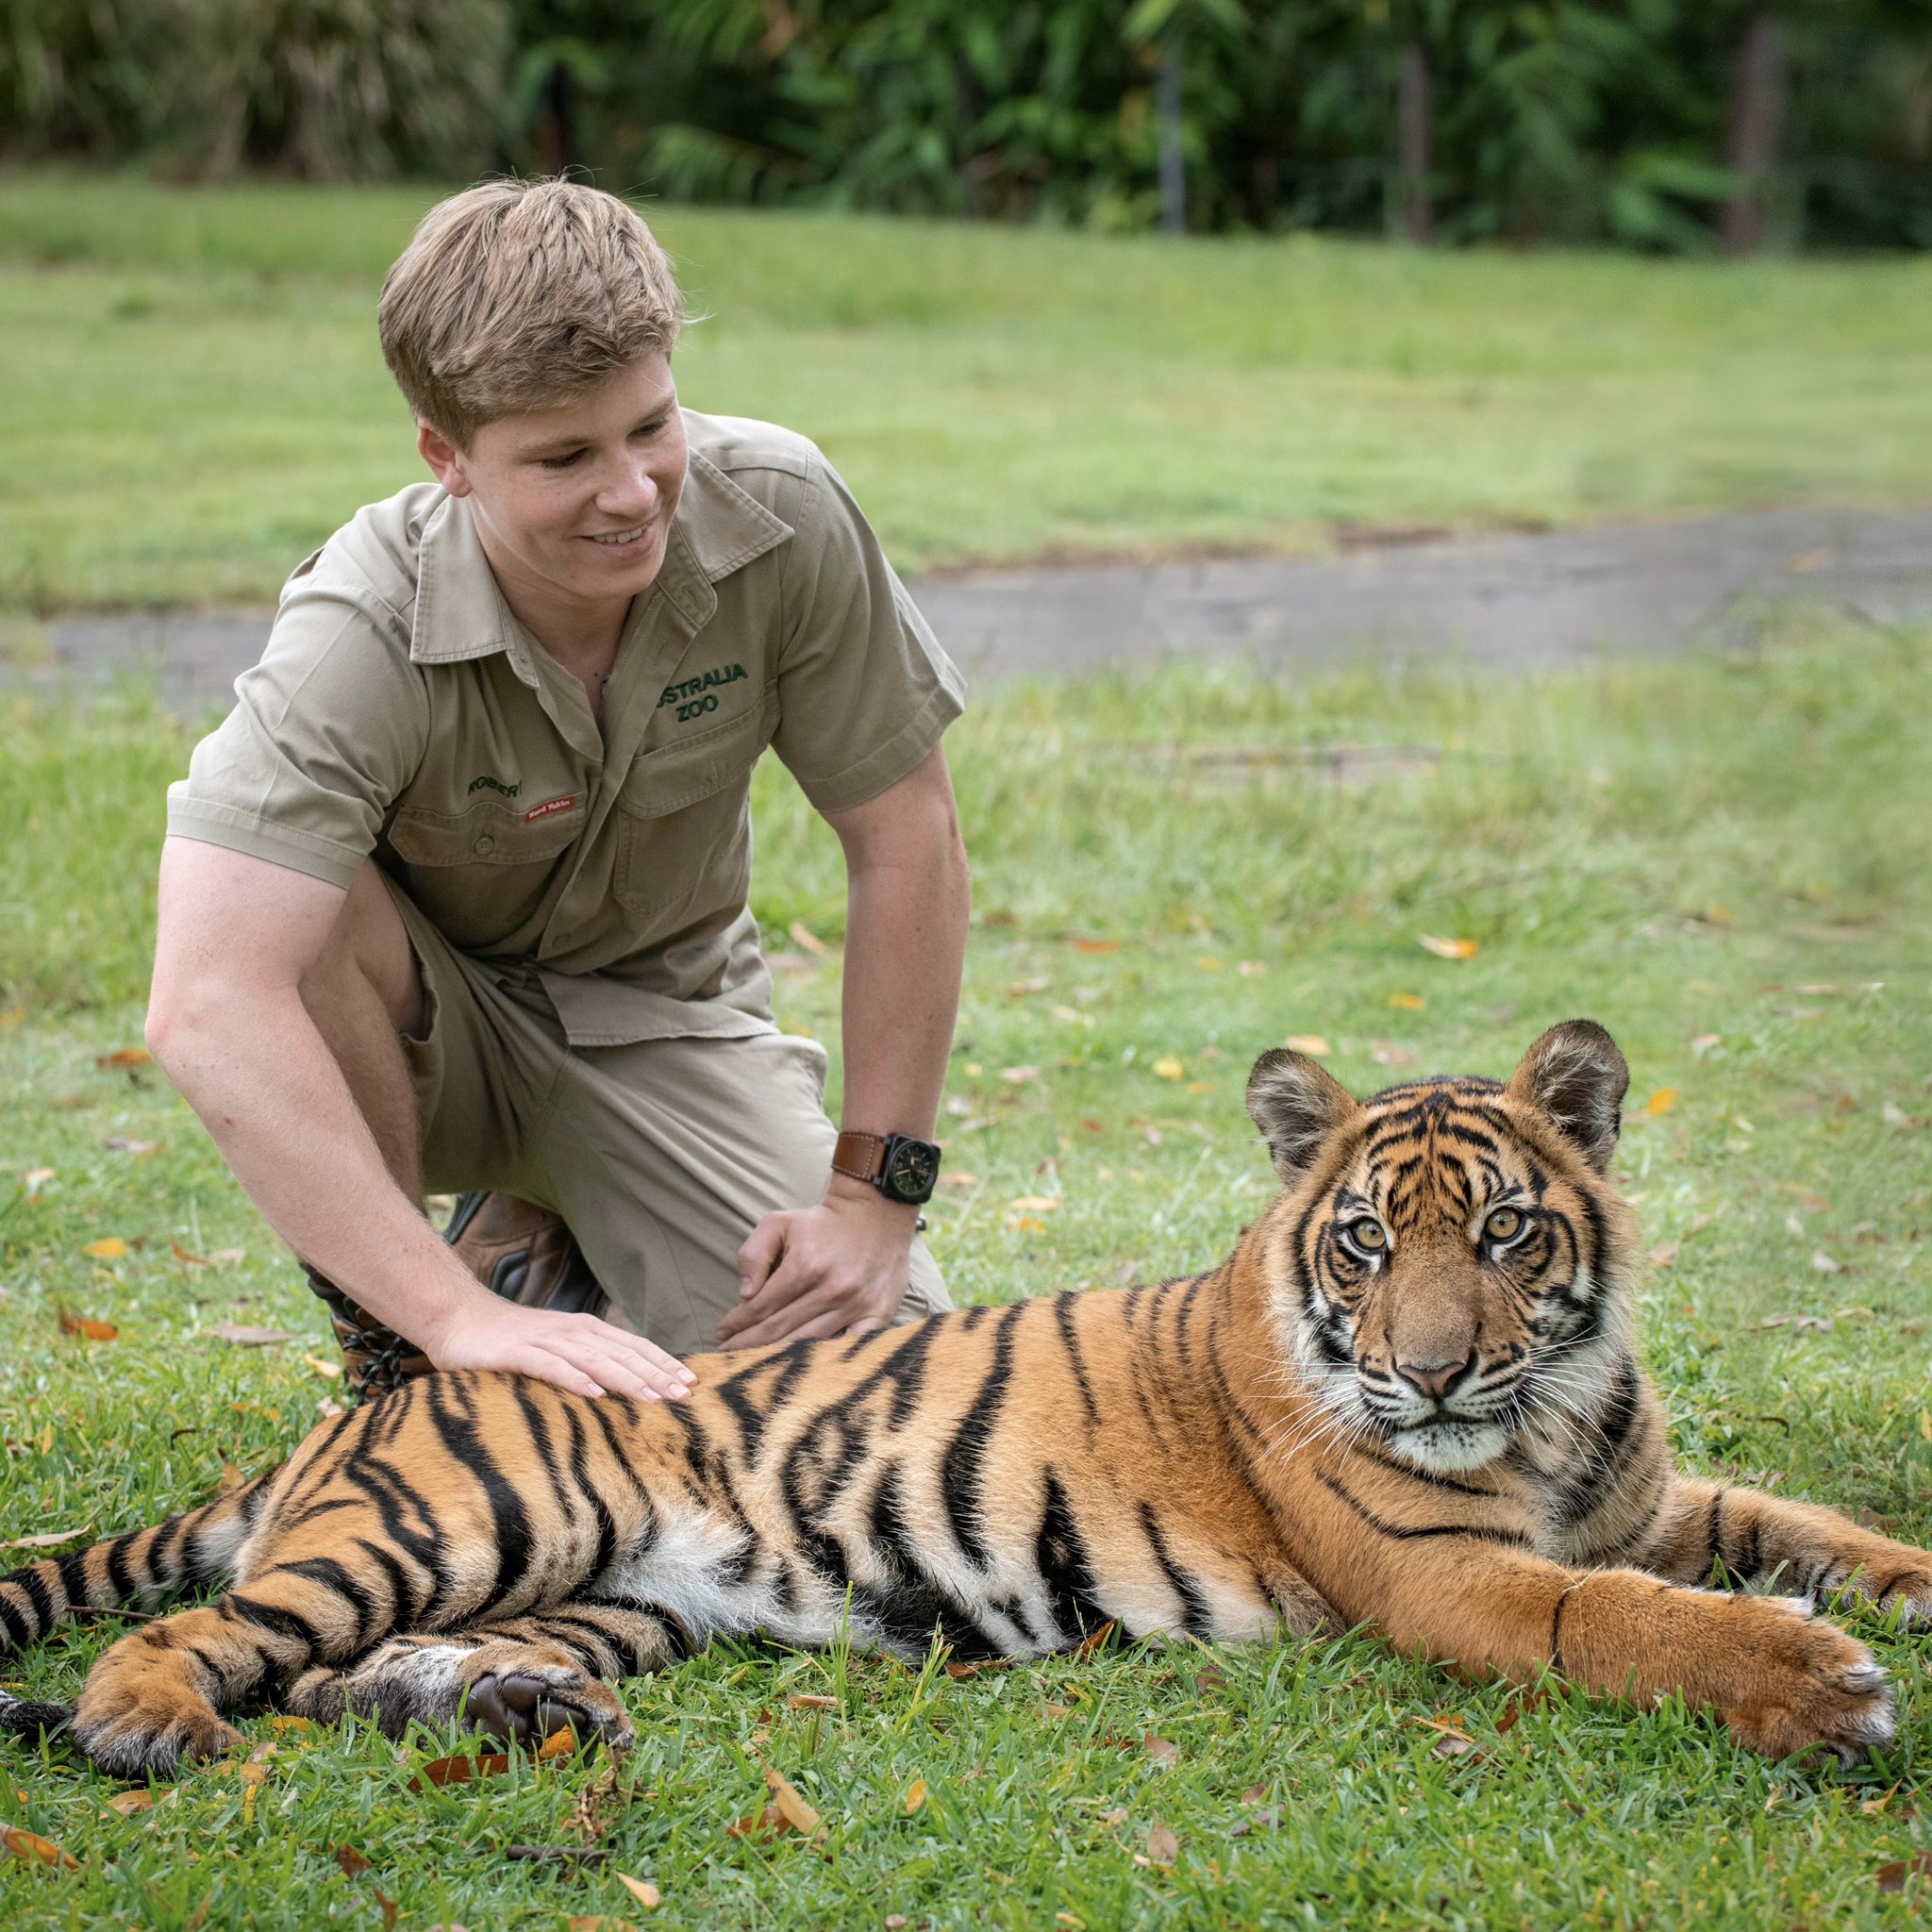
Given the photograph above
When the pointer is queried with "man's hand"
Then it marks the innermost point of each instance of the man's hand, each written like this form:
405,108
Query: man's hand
576,1352
831,1270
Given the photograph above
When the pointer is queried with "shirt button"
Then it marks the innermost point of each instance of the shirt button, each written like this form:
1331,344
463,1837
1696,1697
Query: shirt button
484,846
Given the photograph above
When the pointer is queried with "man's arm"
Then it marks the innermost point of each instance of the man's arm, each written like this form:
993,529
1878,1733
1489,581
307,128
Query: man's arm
237,937
820,1271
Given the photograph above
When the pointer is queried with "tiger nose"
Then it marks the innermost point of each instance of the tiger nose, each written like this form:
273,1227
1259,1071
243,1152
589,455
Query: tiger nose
1435,1378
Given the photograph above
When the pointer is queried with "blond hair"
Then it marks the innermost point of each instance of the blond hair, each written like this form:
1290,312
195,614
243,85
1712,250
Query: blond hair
519,296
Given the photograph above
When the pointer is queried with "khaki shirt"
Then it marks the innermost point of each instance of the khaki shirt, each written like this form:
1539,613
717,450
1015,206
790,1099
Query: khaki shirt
400,710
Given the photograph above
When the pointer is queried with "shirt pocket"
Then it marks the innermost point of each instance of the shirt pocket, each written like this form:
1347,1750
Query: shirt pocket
683,823
481,875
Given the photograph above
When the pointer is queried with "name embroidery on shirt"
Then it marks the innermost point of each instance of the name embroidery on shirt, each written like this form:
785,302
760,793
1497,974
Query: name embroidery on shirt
549,806
697,695
486,783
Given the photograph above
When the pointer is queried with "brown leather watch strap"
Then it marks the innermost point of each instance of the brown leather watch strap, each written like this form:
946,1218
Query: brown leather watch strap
860,1156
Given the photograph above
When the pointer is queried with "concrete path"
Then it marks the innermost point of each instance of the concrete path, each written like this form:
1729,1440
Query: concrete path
1501,600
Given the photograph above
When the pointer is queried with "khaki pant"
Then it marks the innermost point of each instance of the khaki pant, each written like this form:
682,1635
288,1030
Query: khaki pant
659,1155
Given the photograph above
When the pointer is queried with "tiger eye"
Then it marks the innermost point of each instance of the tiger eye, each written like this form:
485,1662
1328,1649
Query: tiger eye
1369,1235
1504,1225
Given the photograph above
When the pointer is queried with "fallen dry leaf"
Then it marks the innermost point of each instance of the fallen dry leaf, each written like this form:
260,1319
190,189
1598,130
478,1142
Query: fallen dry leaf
1308,1043
1250,969
1170,1067
1450,949
561,1743
1211,1678
1823,1263
1409,1002
35,1178
226,1257
119,1144
111,1248
791,1806
1892,1877
1094,1639
282,1725
1026,1224
34,1849
244,1337
770,1822
1096,945
803,936
129,1803
641,1889
1207,962
72,1323
1021,989
187,1260
327,1370
44,1540
805,1700
1254,1794
1160,1750
1036,1203
915,1795
1163,1847
12,1016
1019,1076
1663,1254
459,1770
352,1861
1661,1101
123,1057
959,1180
1385,1053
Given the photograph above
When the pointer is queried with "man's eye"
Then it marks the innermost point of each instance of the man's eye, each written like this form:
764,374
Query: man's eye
1369,1235
560,462
1504,1225
651,428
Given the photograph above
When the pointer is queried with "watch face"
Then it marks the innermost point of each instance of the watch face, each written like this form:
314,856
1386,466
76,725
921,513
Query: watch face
911,1169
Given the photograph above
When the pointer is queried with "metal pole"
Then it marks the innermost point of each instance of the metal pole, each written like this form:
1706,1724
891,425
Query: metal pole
1174,161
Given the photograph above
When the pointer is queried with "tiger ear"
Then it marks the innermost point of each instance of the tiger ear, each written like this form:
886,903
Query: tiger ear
1576,1079
1298,1106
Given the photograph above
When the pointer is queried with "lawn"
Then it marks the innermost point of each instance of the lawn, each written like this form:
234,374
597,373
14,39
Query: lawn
1721,858
192,395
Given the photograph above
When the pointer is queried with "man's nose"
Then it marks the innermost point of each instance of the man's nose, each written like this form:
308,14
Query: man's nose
1435,1378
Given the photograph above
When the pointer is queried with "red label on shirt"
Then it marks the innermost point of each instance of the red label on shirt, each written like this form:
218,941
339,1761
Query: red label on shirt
549,806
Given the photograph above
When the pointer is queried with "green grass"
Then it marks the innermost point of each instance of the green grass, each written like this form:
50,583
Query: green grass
192,395
1721,858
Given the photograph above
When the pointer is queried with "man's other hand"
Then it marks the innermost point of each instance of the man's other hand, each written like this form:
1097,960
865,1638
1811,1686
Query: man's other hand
576,1352
837,1269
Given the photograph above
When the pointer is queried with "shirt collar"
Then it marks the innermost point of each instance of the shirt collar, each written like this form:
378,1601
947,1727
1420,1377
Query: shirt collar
719,527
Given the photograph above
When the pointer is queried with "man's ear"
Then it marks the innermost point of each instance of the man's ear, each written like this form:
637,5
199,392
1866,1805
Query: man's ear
444,458
1298,1106
1576,1077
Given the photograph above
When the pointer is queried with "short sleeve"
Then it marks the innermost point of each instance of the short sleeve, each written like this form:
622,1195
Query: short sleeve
327,729
864,691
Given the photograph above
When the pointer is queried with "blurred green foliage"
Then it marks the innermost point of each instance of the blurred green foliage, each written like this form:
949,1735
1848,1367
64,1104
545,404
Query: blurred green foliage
1547,121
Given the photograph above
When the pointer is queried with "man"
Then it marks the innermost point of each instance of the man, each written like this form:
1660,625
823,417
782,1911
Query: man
455,895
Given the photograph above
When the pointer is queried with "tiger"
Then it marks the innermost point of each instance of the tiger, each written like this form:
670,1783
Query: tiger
1409,1401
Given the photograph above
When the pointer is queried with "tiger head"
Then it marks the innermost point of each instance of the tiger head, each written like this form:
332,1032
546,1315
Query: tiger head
1449,1260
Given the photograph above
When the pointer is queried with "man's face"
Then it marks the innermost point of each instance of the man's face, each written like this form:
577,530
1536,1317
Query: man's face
576,501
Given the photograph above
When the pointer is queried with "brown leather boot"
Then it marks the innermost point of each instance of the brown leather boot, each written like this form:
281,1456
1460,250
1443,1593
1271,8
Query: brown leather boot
519,1251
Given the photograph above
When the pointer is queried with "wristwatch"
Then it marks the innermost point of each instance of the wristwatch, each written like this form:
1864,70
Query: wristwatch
901,1168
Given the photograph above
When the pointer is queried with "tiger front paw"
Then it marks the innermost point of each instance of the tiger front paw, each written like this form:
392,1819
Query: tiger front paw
1899,1580
1799,1686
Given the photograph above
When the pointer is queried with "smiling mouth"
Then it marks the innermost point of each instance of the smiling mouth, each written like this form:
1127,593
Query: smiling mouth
617,538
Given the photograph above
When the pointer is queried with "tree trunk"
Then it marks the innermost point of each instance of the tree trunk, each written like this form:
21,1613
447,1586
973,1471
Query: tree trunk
1757,108
1174,161
1413,137
557,131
